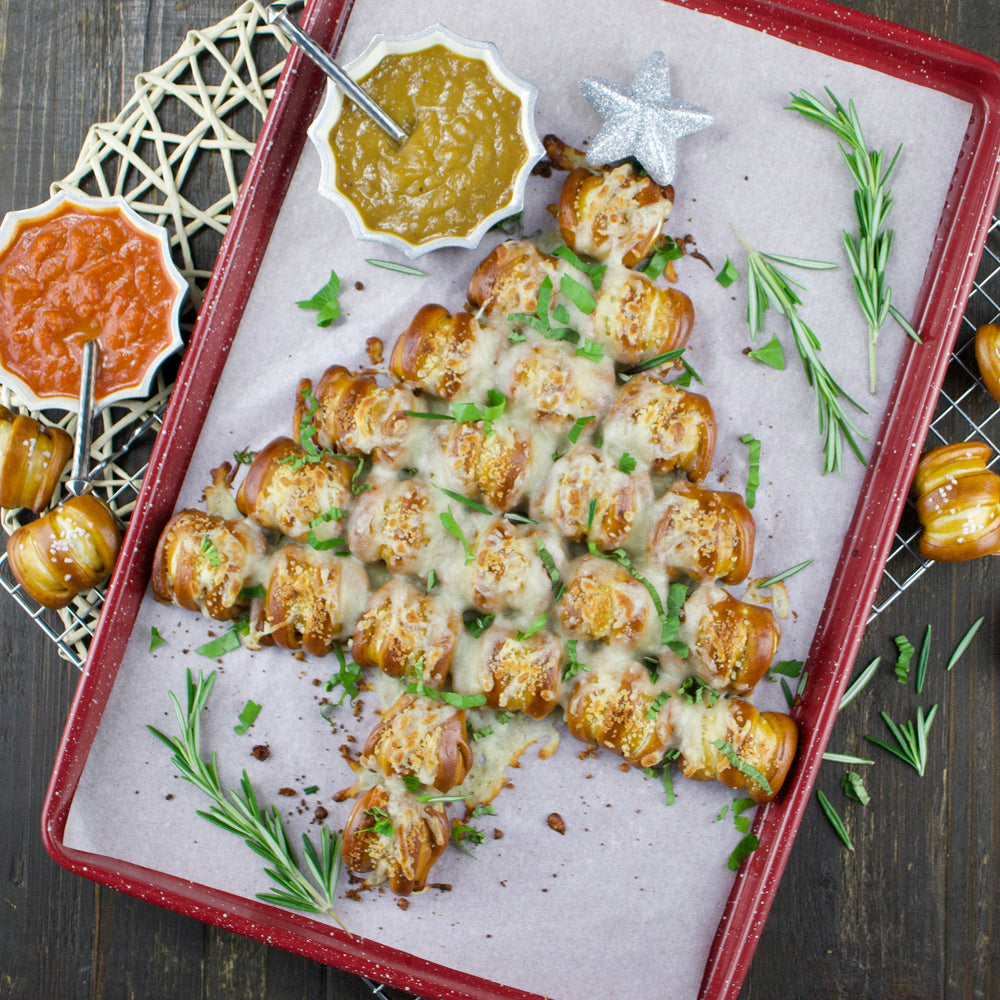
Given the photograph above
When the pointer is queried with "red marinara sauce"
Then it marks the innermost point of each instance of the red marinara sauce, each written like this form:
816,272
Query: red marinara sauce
76,275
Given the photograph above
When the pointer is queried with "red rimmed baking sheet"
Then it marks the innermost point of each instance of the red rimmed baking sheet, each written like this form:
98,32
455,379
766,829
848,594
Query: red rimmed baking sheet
968,203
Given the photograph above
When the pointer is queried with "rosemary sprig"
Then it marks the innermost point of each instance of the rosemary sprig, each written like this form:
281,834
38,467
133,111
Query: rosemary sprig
312,891
769,286
911,739
868,251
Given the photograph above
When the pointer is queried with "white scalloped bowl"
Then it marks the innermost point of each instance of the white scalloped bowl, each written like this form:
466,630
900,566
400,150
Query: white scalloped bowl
33,396
383,45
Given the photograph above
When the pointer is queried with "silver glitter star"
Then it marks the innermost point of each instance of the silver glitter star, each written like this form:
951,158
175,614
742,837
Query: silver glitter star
643,121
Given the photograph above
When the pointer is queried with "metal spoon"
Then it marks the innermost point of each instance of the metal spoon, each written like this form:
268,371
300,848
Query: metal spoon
79,478
277,13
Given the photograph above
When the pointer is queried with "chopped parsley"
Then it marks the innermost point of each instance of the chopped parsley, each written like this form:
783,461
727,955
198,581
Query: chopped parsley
247,717
326,301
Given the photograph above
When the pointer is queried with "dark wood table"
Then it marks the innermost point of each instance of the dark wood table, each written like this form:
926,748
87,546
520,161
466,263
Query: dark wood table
911,912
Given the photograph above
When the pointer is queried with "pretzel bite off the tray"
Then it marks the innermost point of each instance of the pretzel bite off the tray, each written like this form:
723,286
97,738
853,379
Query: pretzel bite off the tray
700,533
312,599
68,551
662,425
404,630
32,458
422,739
288,490
613,215
203,562
391,836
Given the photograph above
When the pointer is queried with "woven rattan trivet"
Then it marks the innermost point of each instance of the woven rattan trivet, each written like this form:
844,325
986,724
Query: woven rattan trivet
177,153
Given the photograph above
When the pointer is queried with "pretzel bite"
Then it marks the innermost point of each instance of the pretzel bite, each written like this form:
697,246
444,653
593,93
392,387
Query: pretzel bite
508,573
288,490
519,675
203,561
32,458
636,319
614,706
424,739
704,534
958,502
69,550
352,414
613,215
765,741
663,426
443,354
507,281
495,468
392,836
604,601
312,599
731,643
395,521
553,385
403,630
584,477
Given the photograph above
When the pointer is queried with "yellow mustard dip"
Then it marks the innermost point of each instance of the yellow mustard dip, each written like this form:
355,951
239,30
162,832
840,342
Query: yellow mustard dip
458,165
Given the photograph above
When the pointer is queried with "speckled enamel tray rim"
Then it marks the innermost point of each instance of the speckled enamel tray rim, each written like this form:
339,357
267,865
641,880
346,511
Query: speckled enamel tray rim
841,33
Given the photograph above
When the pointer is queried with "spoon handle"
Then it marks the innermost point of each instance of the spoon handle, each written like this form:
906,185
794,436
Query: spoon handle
276,14
79,480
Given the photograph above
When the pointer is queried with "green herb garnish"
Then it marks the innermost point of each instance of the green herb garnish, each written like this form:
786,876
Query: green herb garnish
770,354
742,766
868,252
784,574
854,787
247,717
742,851
768,285
326,301
391,265
662,256
155,639
963,643
728,274
536,626
382,825
835,821
452,527
573,665
859,683
227,642
753,472
211,552
475,622
590,350
244,457
657,704
911,739
594,271
550,567
577,294
905,654
577,428
346,676
627,463
311,890
922,659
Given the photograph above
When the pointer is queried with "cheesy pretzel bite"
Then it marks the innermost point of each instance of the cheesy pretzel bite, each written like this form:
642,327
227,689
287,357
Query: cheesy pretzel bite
550,384
636,319
403,629
731,643
498,468
203,561
613,215
352,414
603,601
445,355
763,741
663,426
587,498
32,458
287,491
514,674
421,738
507,281
614,705
396,522
508,573
312,599
704,534
391,835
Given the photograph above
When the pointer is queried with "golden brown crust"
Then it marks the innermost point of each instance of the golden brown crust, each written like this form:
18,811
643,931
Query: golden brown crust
701,533
395,522
68,551
288,490
422,739
32,458
403,629
203,562
520,675
507,281
660,423
405,853
490,467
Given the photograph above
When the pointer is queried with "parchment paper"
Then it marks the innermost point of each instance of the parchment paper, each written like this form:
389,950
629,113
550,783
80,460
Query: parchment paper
626,902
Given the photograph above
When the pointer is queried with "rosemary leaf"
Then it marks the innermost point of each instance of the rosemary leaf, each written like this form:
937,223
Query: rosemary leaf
835,821
963,643
859,683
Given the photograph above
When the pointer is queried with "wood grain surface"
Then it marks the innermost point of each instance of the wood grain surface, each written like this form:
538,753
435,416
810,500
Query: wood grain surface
912,912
